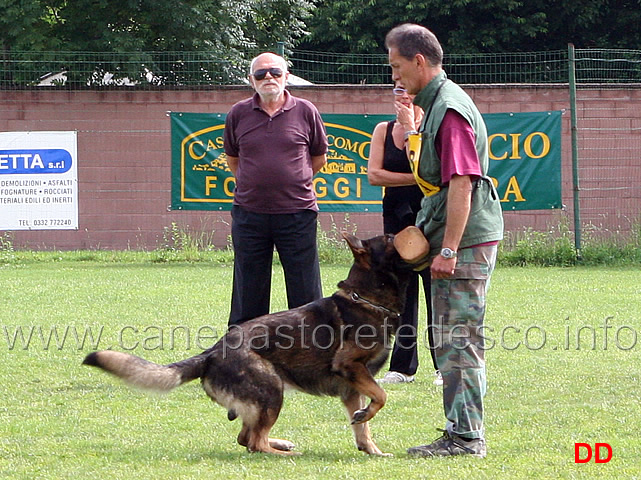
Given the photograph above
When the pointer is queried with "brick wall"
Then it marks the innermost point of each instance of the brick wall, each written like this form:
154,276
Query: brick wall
124,154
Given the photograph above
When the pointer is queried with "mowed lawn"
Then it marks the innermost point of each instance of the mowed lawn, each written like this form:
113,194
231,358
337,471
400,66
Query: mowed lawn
563,358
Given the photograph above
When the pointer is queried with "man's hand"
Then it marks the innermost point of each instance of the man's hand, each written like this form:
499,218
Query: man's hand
442,267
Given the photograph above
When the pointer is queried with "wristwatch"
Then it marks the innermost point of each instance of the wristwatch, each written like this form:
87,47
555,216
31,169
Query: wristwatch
448,253
407,134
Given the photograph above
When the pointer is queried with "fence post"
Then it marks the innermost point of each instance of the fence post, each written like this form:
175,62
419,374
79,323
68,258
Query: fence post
575,150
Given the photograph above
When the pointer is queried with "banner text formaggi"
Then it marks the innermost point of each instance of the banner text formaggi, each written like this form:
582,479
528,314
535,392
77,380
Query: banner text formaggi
524,150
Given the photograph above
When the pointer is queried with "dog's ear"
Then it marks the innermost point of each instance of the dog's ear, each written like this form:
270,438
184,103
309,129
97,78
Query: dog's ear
355,243
360,252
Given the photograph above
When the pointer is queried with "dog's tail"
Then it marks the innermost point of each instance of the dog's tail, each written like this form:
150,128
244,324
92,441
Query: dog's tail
148,375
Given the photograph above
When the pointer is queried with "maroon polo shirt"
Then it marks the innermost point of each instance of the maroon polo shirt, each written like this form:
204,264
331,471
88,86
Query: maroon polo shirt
274,172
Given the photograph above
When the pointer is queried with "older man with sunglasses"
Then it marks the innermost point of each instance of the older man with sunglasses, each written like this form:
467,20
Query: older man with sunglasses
275,143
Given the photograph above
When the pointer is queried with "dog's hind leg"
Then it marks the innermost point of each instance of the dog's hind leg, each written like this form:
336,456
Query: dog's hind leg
256,436
353,403
258,419
282,445
250,389
277,443
243,436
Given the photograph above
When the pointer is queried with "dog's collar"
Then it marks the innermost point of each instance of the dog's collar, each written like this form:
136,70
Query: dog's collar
356,298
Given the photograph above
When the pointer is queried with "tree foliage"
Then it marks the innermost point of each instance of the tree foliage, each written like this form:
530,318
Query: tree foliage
220,30
473,26
183,42
126,25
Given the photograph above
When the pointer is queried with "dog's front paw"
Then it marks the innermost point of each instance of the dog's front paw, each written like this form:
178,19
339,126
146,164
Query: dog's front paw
360,416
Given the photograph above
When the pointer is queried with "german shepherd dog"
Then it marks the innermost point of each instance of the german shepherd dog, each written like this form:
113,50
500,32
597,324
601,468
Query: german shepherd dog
332,346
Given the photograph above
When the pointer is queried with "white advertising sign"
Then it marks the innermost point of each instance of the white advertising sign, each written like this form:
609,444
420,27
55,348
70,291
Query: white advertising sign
38,181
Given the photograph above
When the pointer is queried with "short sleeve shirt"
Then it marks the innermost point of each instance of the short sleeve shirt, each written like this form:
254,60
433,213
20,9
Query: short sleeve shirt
274,173
456,147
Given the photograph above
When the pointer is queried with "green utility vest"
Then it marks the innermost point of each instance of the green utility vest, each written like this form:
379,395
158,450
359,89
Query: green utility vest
485,222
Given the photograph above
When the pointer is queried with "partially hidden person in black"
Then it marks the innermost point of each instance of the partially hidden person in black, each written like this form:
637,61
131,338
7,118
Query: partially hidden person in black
388,166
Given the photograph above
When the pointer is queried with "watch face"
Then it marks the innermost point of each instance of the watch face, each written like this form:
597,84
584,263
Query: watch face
447,253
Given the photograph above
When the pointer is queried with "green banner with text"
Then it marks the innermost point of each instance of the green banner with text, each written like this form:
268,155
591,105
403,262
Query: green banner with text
525,162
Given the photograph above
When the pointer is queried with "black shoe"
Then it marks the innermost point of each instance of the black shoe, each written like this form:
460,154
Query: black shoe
450,444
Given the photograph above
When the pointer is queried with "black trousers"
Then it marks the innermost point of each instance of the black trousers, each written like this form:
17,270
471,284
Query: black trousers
254,236
405,352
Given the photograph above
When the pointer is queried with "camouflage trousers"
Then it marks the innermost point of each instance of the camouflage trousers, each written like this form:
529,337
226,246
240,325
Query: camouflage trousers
458,309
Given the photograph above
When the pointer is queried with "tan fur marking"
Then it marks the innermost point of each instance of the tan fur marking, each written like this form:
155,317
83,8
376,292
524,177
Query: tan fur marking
138,372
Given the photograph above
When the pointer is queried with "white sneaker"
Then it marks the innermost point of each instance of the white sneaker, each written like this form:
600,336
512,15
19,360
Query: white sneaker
396,377
438,381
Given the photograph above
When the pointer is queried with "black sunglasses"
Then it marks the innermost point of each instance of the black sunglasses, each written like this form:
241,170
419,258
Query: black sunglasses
261,73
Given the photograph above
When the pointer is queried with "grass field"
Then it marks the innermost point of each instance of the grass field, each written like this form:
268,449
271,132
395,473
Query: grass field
563,366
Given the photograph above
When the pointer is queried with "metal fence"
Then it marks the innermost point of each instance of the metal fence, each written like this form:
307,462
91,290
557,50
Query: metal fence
606,83
606,142
196,70
140,70
607,66
532,67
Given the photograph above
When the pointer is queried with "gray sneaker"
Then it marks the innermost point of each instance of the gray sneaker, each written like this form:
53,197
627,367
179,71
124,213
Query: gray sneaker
396,377
450,444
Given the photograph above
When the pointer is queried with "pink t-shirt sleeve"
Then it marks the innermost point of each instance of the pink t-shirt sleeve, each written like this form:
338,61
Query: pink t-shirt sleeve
456,147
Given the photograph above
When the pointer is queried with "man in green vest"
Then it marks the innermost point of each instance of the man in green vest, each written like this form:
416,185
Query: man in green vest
462,220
